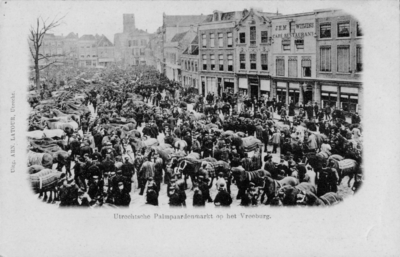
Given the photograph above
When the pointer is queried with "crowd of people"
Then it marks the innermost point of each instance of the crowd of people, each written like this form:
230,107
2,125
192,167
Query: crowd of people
142,131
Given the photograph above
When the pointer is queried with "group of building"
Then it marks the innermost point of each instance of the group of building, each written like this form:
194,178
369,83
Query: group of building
300,58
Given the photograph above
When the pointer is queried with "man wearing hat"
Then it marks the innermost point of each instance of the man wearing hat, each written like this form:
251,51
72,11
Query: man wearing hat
223,198
196,146
269,165
68,193
128,171
152,194
207,145
121,197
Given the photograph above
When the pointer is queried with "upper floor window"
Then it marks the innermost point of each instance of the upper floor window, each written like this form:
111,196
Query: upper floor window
286,44
204,62
299,43
264,36
359,30
230,62
220,40
221,62
264,61
212,40
253,61
306,66
242,37
204,40
230,39
242,58
215,16
253,36
325,30
325,56
343,59
359,62
343,29
212,57
280,67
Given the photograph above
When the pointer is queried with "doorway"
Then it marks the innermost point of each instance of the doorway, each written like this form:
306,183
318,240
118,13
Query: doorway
254,91
307,97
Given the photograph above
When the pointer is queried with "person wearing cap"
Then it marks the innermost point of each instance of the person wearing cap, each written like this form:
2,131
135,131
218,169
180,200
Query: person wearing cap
196,146
223,198
146,171
152,194
128,171
204,186
158,170
174,197
198,200
269,165
95,187
188,139
96,155
120,196
68,192
253,193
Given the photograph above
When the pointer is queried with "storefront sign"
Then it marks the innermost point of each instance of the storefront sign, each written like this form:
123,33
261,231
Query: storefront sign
305,25
295,35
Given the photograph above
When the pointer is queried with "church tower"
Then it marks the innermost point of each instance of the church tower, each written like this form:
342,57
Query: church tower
129,22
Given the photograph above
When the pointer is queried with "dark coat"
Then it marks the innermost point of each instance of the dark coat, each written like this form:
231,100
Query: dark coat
224,198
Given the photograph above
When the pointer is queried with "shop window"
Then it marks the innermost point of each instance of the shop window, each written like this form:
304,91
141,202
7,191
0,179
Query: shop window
359,30
253,36
221,62
280,67
230,62
359,59
220,40
264,36
343,29
343,59
286,44
325,30
204,62
230,40
204,40
299,43
264,61
292,67
242,38
212,57
306,66
253,61
325,54
212,40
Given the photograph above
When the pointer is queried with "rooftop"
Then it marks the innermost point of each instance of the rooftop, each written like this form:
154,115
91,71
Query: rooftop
182,20
178,37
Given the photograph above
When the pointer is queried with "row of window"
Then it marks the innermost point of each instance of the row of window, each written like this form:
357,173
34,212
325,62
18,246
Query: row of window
253,36
138,51
292,67
190,65
52,43
343,59
88,56
136,42
229,41
221,62
343,29
253,61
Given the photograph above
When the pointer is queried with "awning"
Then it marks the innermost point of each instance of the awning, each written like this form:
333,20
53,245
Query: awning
351,90
243,83
329,88
265,85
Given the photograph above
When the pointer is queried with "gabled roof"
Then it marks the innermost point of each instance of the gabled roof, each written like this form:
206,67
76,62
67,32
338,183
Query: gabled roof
225,16
178,37
182,20
87,37
195,41
103,39
72,35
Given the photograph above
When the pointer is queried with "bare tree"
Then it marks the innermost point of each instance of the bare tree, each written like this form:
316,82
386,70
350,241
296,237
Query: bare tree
35,43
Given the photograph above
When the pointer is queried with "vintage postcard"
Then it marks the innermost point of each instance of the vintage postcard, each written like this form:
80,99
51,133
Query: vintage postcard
199,127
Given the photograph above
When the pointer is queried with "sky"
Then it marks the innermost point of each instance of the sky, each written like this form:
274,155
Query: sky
105,17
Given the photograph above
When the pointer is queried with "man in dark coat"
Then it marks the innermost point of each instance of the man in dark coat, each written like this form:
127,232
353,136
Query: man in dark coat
121,196
223,198
316,108
327,180
265,137
128,171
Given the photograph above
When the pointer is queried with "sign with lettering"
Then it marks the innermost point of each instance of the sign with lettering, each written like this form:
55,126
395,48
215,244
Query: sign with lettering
295,35
305,25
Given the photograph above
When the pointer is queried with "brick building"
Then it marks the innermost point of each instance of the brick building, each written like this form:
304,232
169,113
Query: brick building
190,64
253,53
217,52
339,60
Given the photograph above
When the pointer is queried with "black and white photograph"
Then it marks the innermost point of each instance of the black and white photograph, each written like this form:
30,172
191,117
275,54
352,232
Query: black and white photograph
275,116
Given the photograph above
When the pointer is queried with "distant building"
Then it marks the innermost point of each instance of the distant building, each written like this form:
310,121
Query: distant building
173,51
217,52
105,52
71,48
131,44
95,51
190,65
339,60
52,50
253,36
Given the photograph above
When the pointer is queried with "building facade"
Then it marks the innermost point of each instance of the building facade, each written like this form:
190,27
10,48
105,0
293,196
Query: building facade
253,53
105,52
217,52
294,58
131,44
190,65
87,51
339,60
52,50
173,51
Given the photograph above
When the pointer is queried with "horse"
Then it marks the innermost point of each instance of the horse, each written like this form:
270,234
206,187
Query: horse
180,145
272,186
310,199
58,113
287,195
62,125
43,159
243,178
346,167
47,180
190,168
